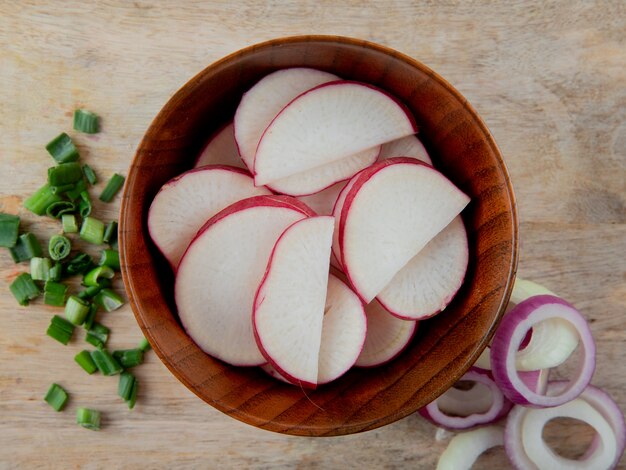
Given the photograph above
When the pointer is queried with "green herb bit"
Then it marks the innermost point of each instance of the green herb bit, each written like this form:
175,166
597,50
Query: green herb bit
40,268
113,186
92,231
89,292
79,187
110,233
69,223
129,357
57,209
90,174
105,362
9,230
110,258
85,121
91,317
76,310
41,199
79,264
95,276
54,293
108,300
84,204
60,329
62,189
64,173
24,289
27,247
84,360
56,397
88,418
59,247
133,395
97,335
125,385
144,345
56,272
62,149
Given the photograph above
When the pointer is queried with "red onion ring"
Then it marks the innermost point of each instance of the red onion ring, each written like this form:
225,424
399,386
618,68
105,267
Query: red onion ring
509,336
464,448
498,408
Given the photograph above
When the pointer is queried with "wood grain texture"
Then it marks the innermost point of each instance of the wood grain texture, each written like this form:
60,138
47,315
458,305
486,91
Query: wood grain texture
547,78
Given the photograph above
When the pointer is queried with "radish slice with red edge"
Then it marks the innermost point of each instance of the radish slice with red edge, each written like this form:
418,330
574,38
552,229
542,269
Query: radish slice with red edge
221,149
524,428
464,448
510,334
498,408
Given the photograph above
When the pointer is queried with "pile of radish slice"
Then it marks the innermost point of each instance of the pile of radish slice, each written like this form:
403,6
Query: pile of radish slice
313,233
540,331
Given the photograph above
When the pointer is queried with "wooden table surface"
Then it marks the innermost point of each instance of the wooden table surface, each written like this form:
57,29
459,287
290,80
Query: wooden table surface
548,78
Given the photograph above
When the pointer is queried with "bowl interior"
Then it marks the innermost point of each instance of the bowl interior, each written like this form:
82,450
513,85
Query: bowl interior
460,146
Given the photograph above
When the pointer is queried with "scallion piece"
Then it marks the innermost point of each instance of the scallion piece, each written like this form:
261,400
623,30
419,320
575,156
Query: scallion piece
113,186
144,345
63,189
56,272
57,209
91,316
105,362
69,223
88,418
93,277
92,231
76,310
64,173
90,174
108,300
54,293
79,264
125,385
40,268
110,233
110,258
85,121
97,335
84,204
60,329
24,289
133,395
27,247
62,149
56,397
80,186
59,247
41,199
89,292
84,360
129,357
9,230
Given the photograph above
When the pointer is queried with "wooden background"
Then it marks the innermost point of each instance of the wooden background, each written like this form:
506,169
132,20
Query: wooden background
548,78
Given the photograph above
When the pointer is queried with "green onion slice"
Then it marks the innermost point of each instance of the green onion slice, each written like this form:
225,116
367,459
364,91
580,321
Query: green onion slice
129,357
79,264
94,277
125,385
56,397
64,173
89,292
9,230
97,335
88,418
92,231
144,345
40,268
91,316
110,258
133,395
84,205
57,209
76,310
110,233
80,186
108,300
85,121
56,272
105,362
60,329
90,174
63,189
84,360
69,223
24,289
39,201
54,293
113,186
62,149
27,247
59,247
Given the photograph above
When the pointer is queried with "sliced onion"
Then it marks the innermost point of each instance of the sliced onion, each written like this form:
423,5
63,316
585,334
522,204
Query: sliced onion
509,336
523,289
473,412
465,448
527,449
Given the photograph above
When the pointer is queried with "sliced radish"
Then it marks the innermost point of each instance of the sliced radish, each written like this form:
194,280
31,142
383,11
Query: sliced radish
186,202
266,99
338,207
387,336
219,273
289,304
430,280
393,209
221,149
324,201
317,179
409,146
269,369
327,123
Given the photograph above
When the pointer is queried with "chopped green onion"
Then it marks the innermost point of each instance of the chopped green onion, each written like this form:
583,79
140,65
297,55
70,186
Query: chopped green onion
133,395
85,121
110,233
97,335
84,205
9,230
63,189
105,362
57,209
125,385
89,292
105,283
84,360
92,231
69,223
129,357
54,293
114,245
64,173
80,186
144,345
56,272
113,186
93,277
76,310
59,247
40,268
91,316
108,300
24,289
27,247
79,264
90,174
60,329
88,418
110,258
62,149
56,397
41,199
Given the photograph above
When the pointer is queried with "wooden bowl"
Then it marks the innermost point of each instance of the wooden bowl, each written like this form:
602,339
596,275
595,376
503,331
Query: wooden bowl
460,146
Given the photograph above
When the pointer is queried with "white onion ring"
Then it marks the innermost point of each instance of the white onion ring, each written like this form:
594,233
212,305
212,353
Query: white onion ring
466,447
